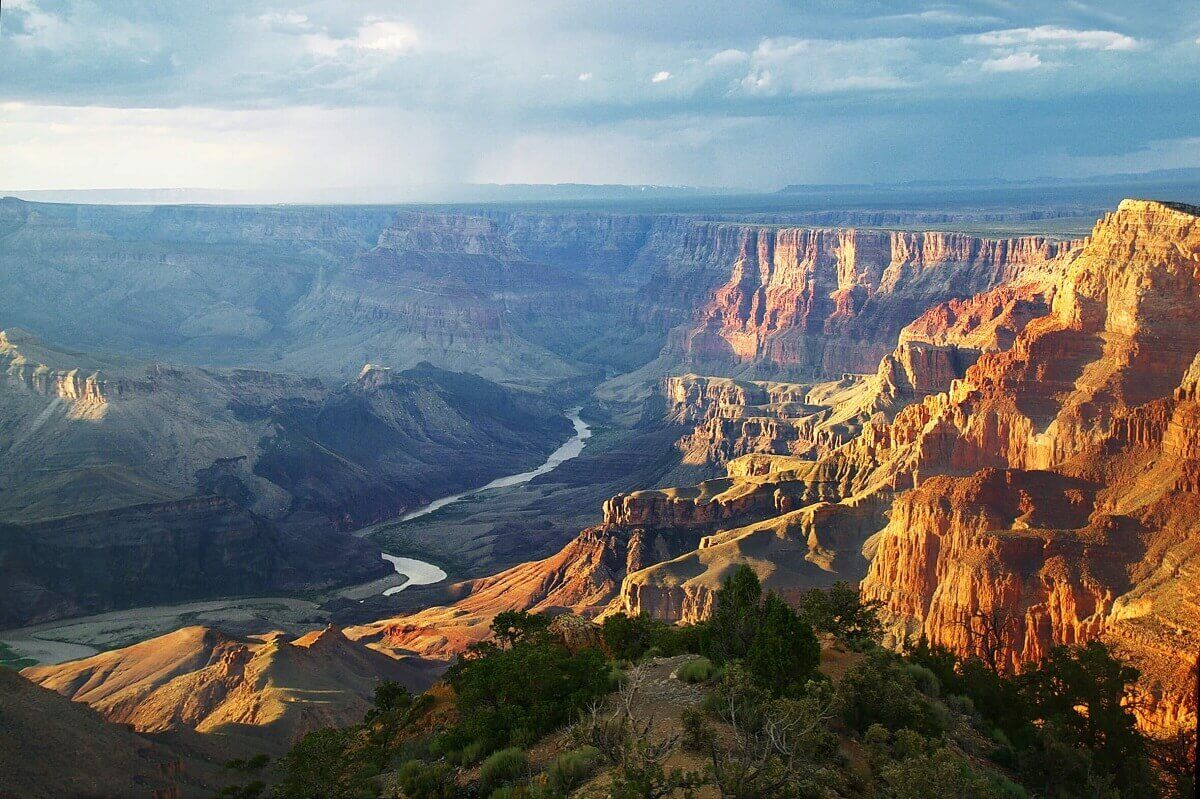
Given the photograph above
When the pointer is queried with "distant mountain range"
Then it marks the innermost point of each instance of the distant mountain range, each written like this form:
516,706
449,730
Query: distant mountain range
372,195
1158,176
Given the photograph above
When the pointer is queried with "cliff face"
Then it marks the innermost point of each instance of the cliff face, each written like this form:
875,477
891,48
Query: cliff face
514,296
1100,391
823,302
1003,564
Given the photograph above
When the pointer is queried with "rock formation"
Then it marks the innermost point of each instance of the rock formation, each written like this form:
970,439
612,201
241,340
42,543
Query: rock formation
267,688
1019,472
1100,392
821,302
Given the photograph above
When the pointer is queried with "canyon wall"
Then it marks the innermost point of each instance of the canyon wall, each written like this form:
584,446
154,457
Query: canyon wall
1020,470
1085,433
821,302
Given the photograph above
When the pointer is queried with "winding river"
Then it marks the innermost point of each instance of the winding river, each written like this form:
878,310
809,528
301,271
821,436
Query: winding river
418,572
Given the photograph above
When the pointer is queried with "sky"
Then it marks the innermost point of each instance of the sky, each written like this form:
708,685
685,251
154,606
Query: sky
753,94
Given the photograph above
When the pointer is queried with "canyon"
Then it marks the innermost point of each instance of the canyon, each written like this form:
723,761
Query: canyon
994,437
1017,474
127,482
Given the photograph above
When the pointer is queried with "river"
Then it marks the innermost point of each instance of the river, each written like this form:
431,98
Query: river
418,572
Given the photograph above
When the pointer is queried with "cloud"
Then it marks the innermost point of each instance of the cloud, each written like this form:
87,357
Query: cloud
285,21
1014,62
729,56
383,36
941,16
783,66
1053,37
918,80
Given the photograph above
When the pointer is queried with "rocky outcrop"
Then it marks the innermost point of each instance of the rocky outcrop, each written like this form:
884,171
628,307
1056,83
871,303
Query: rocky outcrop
268,687
823,302
811,547
1002,564
732,418
83,385
1085,430
583,577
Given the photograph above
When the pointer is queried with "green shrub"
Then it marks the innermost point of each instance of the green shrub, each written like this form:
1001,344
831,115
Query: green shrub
502,768
784,652
961,704
841,611
571,769
736,615
317,767
512,693
879,690
697,671
942,718
427,780
629,637
941,773
472,753
925,680
1004,788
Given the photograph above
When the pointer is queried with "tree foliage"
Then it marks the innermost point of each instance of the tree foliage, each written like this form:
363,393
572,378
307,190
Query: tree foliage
525,683
841,612
774,748
776,646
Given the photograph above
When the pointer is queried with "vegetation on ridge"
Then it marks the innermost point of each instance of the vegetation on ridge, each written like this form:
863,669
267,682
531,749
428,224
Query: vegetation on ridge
738,708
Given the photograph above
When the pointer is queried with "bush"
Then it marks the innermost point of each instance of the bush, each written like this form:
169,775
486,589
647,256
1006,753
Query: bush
571,769
841,611
941,773
784,651
514,693
317,768
736,615
1004,788
777,646
502,768
630,637
427,780
961,705
697,671
880,691
925,680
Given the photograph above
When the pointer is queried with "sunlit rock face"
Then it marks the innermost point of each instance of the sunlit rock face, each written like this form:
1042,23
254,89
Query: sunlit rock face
820,302
1083,523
